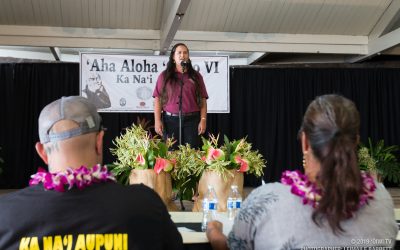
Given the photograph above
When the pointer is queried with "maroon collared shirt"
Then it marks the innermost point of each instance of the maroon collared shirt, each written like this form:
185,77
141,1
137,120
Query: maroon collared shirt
189,99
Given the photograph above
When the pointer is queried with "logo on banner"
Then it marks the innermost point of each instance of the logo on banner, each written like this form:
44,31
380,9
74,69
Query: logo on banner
122,102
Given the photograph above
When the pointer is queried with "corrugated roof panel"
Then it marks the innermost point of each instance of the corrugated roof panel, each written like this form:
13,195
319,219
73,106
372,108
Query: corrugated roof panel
23,12
272,18
6,13
85,13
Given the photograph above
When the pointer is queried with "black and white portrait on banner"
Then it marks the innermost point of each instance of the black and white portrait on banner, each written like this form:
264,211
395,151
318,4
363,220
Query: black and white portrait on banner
96,92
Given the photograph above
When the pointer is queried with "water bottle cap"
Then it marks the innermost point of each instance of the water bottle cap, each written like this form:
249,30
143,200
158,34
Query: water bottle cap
234,186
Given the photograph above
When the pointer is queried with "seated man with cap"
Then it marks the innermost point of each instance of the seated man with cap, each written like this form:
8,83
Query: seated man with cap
77,204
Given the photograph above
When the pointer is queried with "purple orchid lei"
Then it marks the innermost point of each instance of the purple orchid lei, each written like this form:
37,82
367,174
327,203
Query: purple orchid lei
311,194
81,178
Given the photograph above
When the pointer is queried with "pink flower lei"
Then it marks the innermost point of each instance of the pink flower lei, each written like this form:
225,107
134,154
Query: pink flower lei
311,194
81,178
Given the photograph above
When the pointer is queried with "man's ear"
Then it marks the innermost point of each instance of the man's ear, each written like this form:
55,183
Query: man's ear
99,143
42,152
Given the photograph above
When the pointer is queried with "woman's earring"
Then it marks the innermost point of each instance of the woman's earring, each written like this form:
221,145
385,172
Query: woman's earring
304,160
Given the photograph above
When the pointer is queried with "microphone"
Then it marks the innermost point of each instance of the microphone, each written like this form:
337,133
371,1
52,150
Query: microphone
184,64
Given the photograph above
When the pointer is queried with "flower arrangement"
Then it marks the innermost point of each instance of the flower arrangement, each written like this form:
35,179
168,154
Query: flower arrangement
136,149
236,154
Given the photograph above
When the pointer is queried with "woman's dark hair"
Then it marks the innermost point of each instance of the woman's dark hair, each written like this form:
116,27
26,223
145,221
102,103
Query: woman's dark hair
331,124
171,77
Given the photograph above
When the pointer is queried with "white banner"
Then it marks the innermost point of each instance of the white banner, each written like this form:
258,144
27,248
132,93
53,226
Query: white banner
125,83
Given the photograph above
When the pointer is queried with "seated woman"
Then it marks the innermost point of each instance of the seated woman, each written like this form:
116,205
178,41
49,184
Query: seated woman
333,204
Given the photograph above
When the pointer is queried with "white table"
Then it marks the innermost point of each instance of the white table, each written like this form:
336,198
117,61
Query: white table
200,237
196,217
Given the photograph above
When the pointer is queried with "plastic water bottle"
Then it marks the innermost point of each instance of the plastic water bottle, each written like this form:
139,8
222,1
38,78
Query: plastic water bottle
234,202
210,206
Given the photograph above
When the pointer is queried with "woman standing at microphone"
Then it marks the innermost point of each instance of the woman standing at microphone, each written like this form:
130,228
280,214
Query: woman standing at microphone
180,77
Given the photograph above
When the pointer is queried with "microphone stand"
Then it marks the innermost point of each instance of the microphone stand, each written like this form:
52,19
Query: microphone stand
180,105
180,122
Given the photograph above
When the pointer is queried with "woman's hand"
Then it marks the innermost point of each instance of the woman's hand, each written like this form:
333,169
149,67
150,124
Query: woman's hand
202,126
159,127
215,236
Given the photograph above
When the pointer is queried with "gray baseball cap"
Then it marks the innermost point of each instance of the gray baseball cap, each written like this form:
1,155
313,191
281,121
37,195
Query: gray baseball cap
74,108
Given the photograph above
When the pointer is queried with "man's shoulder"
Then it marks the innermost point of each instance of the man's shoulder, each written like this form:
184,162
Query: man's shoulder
273,187
135,191
17,201
127,188
109,189
17,192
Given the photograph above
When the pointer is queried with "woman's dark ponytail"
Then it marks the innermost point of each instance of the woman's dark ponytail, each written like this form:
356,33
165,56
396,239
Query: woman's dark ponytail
331,124
340,181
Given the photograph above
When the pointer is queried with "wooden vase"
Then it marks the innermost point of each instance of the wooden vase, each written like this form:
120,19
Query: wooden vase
161,183
221,186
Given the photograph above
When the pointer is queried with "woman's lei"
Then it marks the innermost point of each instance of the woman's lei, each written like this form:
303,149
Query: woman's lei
81,177
311,194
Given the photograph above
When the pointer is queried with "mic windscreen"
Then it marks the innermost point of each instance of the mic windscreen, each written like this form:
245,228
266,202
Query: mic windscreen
184,63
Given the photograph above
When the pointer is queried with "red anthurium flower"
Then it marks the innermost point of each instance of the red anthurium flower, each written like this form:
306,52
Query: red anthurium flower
140,159
214,155
163,164
244,164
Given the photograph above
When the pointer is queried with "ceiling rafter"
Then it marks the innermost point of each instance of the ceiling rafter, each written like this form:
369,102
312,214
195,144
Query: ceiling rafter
380,44
376,42
244,30
386,20
174,11
255,56
197,40
55,51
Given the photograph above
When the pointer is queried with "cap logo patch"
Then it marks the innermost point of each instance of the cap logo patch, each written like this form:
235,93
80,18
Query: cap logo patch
90,122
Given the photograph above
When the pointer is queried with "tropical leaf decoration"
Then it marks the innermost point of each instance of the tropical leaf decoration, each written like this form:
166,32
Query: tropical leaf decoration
187,171
236,154
242,156
214,157
136,149
380,159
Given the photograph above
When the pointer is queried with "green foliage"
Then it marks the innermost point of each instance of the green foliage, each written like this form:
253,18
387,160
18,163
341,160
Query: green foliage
136,149
380,159
235,153
365,160
244,149
121,173
187,171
